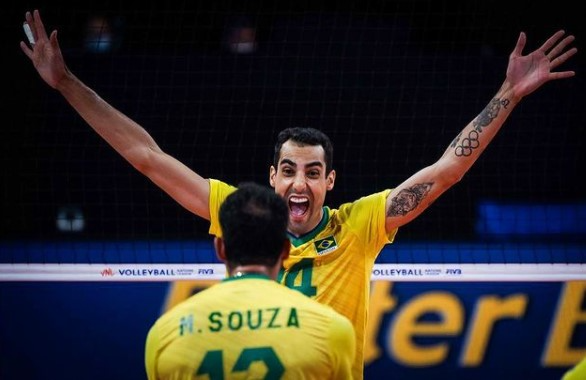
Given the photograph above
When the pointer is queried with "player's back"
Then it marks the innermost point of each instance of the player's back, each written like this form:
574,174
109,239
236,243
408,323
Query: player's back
250,327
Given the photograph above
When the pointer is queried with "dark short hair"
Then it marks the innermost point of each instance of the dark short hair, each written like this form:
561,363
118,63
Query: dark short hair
305,136
254,225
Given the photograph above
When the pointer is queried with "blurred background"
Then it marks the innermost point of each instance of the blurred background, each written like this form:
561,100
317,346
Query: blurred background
391,82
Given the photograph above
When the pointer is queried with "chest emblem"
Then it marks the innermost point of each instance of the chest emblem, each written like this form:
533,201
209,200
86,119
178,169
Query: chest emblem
326,245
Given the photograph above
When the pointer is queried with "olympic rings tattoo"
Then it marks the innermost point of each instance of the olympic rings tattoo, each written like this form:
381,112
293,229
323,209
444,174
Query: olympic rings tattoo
471,142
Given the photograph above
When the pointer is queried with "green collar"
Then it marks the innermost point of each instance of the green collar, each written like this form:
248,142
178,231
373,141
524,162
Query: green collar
239,276
297,241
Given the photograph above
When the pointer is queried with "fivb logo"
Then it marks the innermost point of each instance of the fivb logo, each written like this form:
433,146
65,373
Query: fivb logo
454,272
107,272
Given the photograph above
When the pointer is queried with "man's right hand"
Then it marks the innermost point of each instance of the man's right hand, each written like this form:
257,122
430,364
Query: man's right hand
45,52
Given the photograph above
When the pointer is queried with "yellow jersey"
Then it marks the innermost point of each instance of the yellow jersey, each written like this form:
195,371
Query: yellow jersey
250,327
333,263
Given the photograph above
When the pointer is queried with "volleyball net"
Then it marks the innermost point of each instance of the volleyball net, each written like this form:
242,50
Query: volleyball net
392,83
516,263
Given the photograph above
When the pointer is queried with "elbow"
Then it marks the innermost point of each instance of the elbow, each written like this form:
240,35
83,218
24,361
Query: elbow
142,159
453,178
447,178
450,173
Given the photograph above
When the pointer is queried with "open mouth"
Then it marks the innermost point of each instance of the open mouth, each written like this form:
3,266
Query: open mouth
298,206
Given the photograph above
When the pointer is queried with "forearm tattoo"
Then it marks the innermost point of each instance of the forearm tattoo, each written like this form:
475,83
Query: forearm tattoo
465,146
408,199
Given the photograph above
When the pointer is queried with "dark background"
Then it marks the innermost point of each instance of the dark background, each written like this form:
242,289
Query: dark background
391,82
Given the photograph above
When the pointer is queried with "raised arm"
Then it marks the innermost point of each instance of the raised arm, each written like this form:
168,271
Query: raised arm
127,137
525,74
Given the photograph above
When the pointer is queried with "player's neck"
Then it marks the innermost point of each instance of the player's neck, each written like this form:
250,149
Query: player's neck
298,230
242,270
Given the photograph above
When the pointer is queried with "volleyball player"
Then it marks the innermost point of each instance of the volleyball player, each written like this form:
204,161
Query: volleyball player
333,250
250,326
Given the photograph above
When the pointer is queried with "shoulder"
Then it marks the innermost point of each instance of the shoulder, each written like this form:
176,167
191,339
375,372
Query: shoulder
303,302
220,187
341,332
218,192
368,201
364,209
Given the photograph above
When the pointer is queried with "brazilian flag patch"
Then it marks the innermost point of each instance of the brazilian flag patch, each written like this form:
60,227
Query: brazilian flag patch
326,245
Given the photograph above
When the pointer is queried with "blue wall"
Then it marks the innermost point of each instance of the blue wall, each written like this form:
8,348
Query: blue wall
96,330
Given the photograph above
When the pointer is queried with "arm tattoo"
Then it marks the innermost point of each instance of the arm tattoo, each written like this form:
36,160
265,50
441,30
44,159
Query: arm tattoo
408,199
471,142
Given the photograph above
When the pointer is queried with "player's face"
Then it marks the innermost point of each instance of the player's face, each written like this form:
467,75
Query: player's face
301,179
